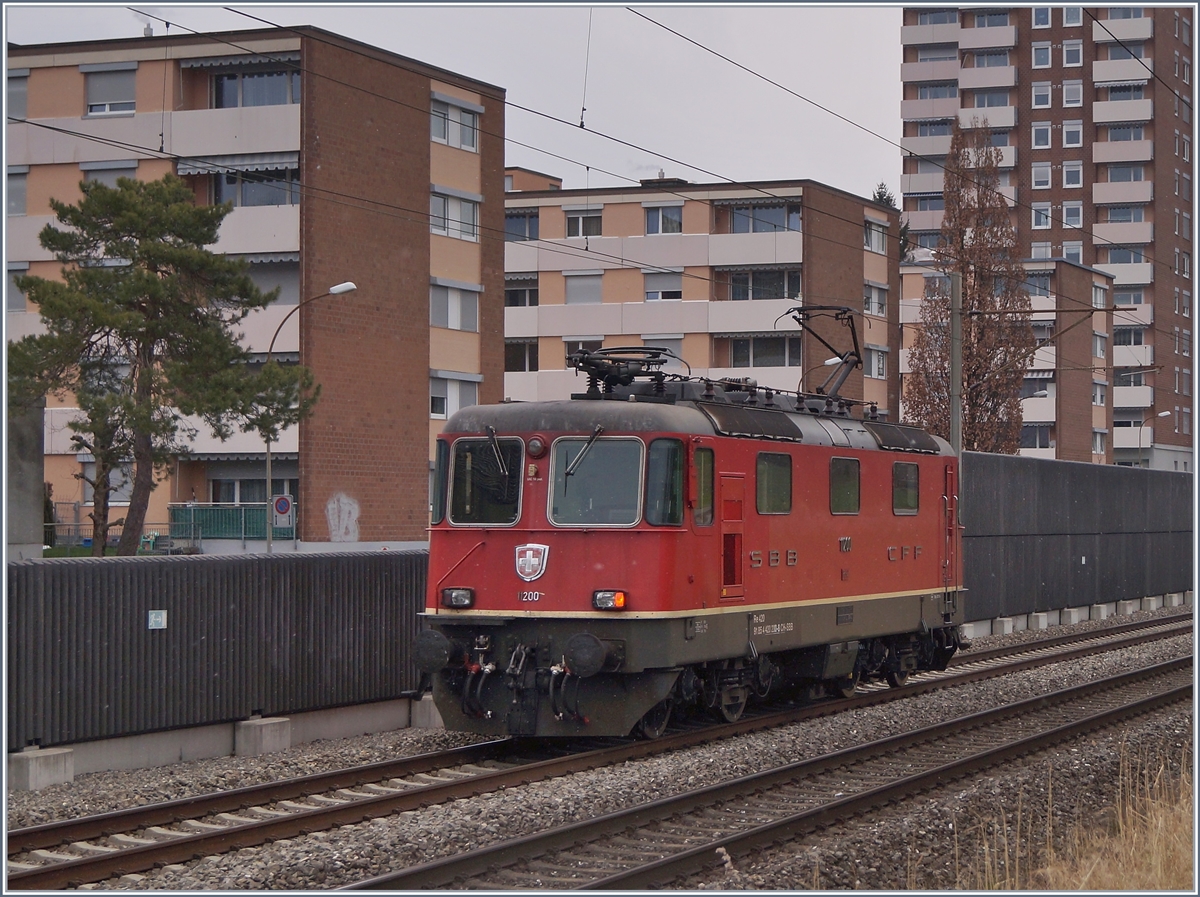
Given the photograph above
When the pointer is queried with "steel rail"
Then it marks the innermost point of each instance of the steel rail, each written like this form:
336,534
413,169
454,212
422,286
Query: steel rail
455,871
187,847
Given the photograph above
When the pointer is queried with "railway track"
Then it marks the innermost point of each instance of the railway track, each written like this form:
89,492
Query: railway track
657,844
74,852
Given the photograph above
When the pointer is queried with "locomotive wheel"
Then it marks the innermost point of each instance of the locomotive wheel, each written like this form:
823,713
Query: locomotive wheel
898,678
654,723
845,686
731,702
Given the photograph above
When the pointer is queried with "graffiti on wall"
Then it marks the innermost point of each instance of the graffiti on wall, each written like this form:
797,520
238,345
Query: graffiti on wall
341,512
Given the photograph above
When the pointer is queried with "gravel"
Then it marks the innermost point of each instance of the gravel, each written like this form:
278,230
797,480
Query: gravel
931,843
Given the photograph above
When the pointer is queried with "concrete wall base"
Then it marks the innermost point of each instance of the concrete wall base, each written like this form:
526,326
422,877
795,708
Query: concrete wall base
1152,602
1173,599
255,737
425,714
1039,621
1072,615
1002,626
32,770
1020,622
1187,597
1125,608
976,629
1103,611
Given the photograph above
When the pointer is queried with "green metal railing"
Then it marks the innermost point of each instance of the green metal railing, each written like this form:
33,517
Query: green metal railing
222,521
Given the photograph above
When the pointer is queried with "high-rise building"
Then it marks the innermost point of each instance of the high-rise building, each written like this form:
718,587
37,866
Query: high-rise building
1092,111
708,271
343,162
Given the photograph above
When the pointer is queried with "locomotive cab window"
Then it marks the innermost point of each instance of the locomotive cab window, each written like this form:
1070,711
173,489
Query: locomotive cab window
906,480
664,483
485,481
702,466
596,481
774,483
441,465
843,485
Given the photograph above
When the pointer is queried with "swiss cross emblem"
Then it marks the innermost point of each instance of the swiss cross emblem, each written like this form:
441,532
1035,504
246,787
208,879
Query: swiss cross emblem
531,561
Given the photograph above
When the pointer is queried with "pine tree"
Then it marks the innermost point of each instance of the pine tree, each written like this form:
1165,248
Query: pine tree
978,243
142,332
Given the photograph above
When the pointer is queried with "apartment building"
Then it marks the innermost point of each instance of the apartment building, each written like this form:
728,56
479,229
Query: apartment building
706,270
343,162
1092,111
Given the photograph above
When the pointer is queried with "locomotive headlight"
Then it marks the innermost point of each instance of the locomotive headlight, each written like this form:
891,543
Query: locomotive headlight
537,446
608,600
458,597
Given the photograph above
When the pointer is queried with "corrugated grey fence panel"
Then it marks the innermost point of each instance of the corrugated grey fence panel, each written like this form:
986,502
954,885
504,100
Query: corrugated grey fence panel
245,634
1043,535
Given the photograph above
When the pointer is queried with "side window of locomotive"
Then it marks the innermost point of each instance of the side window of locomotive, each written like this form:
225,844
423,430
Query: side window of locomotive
703,466
774,483
664,483
906,478
843,485
437,497
485,481
596,482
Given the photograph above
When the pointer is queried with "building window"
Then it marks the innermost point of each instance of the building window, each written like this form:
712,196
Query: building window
583,224
1073,252
1072,174
1185,343
1187,264
934,129
1122,133
1041,135
276,187
1041,175
1072,214
1037,284
1124,173
1187,71
1072,16
1072,94
1125,12
1035,436
1041,215
1039,250
663,285
930,204
111,93
1128,297
875,300
1124,93
937,17
520,356
1128,50
453,216
875,236
1187,149
454,125
664,220
1098,440
1099,344
120,480
1072,133
1072,53
765,352
991,19
1041,95
14,299
991,59
109,176
265,87
942,53
453,309
1128,377
765,219
1099,393
582,345
1041,17
1099,296
990,99
1129,336
520,293
18,93
446,396
944,91
17,192
1124,214
875,363
926,239
1125,255
1186,309
764,284
584,289
520,226
1041,56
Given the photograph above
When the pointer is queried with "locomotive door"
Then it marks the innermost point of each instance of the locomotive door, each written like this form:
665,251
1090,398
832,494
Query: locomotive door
733,492
950,529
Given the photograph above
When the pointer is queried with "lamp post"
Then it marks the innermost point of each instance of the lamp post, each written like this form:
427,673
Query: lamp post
1142,426
347,287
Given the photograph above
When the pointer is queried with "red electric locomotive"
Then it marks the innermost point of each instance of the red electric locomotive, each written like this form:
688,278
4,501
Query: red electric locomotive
662,544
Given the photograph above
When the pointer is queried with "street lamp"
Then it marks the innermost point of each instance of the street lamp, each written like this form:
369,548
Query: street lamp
1142,426
347,287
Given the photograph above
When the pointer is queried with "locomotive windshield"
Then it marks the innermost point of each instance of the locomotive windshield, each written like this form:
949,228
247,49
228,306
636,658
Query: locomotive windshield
601,488
485,485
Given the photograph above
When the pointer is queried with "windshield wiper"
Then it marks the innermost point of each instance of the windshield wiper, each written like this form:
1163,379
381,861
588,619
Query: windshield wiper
491,434
587,446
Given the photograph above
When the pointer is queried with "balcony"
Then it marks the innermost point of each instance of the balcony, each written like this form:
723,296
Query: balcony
1110,193
1109,30
1116,111
210,521
240,130
1133,397
931,220
1124,233
922,183
1123,151
783,248
943,70
1133,356
1038,410
250,229
1008,157
987,38
994,76
757,316
919,35
1134,314
1129,275
1104,70
995,117
1044,358
1139,438
942,107
926,146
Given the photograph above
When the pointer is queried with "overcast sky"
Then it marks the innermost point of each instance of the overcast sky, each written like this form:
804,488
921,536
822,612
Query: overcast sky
644,85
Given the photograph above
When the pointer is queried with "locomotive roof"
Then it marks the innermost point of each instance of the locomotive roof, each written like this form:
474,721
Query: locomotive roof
694,412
